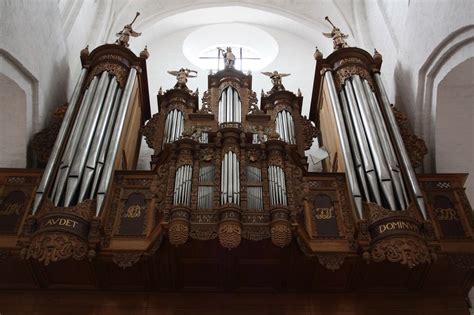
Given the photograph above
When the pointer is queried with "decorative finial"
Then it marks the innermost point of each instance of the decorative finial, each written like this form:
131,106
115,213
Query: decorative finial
377,57
299,93
276,80
144,53
317,54
182,76
160,91
337,36
262,94
229,57
85,52
124,35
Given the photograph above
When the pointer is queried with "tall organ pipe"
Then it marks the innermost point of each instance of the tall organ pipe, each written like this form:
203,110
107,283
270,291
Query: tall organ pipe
115,141
354,145
84,145
71,146
345,147
105,143
367,160
60,141
386,145
381,166
401,147
98,140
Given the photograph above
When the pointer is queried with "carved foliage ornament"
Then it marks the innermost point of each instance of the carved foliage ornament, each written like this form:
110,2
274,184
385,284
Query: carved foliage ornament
332,261
43,141
407,251
126,259
230,234
119,71
149,131
51,247
415,146
347,71
309,132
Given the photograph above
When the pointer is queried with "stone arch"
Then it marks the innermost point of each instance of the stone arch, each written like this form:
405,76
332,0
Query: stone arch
454,125
452,51
19,105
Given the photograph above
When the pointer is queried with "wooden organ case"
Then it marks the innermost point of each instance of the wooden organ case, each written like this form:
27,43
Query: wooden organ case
229,204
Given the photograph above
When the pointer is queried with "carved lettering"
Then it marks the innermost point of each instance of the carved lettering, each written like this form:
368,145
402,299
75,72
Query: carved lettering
62,222
11,208
446,214
397,225
134,211
324,213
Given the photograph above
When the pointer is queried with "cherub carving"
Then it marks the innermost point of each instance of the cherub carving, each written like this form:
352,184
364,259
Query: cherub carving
182,76
337,36
275,76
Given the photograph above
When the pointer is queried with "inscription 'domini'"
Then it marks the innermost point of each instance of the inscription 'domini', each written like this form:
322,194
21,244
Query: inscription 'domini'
397,225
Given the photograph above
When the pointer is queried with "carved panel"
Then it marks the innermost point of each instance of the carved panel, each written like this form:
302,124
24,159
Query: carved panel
324,217
133,216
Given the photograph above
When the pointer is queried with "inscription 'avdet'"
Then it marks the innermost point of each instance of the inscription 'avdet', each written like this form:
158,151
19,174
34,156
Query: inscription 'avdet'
61,222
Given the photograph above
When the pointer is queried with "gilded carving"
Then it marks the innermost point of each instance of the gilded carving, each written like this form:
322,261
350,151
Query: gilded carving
348,71
52,247
203,232
230,234
149,131
178,232
280,232
126,259
308,131
43,141
415,146
255,232
405,250
119,71
332,261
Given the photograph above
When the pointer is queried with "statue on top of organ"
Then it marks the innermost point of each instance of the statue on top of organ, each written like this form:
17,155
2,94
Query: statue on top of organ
235,169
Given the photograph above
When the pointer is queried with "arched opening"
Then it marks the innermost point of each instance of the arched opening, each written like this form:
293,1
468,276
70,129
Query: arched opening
455,123
13,128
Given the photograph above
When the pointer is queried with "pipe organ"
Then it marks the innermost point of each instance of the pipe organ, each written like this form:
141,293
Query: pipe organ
230,179
285,127
173,126
229,106
233,173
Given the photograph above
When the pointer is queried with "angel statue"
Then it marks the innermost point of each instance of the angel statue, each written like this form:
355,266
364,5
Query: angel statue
229,57
182,76
337,36
276,80
124,35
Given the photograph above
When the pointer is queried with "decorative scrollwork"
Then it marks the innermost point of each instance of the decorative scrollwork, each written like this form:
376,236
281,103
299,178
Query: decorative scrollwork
126,259
178,232
407,251
280,232
51,247
308,131
332,261
150,129
43,141
415,146
119,71
230,234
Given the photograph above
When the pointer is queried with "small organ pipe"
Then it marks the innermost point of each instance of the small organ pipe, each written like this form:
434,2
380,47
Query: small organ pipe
115,140
167,130
380,164
291,127
351,176
59,143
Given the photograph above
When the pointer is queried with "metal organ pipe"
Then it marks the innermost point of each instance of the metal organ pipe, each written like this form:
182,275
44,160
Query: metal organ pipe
367,160
60,141
98,139
386,145
374,142
285,126
230,106
230,182
115,139
106,141
71,146
341,128
85,141
277,185
401,147
354,145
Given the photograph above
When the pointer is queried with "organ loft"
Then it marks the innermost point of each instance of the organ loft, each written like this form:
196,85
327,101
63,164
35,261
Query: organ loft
229,203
